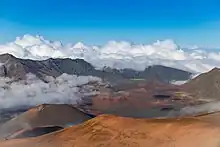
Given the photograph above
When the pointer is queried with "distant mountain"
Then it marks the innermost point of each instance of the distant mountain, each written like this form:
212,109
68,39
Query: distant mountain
159,72
17,68
205,86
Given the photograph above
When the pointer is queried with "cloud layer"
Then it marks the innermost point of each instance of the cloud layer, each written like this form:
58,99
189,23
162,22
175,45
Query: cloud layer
31,92
116,54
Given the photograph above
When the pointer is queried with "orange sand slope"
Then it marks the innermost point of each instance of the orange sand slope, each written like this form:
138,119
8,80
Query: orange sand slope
112,131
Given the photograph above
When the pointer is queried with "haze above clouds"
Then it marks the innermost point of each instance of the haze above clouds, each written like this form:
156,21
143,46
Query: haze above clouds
116,54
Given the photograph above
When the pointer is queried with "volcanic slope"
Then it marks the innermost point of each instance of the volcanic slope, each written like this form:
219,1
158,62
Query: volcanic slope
112,131
205,86
43,115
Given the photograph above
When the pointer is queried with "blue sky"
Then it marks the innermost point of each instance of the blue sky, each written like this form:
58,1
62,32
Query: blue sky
188,22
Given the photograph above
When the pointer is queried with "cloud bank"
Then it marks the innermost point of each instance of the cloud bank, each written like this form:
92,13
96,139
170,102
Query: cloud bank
116,54
32,91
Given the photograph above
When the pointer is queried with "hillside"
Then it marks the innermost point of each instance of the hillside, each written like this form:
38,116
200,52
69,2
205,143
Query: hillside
112,131
205,86
43,115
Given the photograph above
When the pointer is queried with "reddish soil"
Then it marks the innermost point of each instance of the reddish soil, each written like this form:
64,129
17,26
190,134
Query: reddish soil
143,99
112,131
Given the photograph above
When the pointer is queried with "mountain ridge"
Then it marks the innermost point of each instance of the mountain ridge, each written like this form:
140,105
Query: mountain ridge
17,68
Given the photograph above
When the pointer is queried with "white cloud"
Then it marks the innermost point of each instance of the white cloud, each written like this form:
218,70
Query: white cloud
32,91
116,54
178,82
